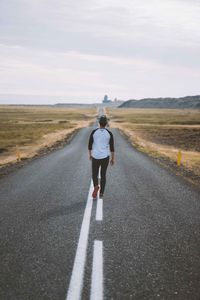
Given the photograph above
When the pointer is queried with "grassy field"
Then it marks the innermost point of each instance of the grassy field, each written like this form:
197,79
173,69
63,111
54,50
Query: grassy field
162,132
24,126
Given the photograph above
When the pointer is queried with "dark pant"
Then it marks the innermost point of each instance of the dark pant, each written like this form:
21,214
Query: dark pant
96,163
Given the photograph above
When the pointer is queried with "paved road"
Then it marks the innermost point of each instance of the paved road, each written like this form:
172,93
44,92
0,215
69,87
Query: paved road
150,230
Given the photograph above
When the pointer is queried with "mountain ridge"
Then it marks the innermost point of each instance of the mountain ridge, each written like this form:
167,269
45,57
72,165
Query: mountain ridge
182,102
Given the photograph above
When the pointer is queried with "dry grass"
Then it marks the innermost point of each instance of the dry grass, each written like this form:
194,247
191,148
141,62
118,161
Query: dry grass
162,132
30,128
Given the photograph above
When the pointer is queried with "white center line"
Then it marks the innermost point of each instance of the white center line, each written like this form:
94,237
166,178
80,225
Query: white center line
97,272
99,211
76,282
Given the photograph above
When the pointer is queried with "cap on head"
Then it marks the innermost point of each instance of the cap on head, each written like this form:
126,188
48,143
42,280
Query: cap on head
103,120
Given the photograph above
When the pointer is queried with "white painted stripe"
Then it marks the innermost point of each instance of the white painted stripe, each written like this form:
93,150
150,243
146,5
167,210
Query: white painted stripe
97,272
99,211
99,175
76,282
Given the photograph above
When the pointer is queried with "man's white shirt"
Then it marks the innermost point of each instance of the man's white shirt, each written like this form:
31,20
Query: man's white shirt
101,143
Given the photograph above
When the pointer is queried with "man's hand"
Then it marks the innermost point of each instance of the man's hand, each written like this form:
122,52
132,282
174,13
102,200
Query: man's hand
112,161
90,155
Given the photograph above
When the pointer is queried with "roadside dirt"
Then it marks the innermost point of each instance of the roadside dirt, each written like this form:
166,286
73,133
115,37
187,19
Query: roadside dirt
185,138
164,150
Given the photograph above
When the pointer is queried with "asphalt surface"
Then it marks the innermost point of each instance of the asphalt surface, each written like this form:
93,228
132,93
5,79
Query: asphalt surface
150,228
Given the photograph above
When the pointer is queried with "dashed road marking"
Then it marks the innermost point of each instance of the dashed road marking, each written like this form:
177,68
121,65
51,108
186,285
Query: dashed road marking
99,210
97,272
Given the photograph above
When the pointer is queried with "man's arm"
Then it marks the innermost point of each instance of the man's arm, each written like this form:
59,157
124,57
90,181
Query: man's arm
90,142
112,149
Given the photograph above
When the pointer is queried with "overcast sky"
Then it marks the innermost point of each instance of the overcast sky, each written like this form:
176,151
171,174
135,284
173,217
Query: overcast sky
78,51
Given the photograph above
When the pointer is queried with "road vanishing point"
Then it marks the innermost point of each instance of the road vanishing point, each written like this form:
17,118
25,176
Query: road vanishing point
142,241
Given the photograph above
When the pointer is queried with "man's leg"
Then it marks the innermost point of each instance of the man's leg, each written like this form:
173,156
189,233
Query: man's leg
104,165
95,172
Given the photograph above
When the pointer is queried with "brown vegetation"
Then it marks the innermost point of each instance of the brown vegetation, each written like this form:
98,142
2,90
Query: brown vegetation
27,130
162,133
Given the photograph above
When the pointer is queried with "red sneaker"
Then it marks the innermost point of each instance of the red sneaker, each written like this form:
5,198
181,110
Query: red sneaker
94,194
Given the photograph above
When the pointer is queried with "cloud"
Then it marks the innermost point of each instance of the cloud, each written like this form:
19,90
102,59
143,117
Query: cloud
49,22
128,49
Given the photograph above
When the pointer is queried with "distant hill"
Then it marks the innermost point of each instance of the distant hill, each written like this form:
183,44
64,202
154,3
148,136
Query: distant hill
85,105
75,105
183,102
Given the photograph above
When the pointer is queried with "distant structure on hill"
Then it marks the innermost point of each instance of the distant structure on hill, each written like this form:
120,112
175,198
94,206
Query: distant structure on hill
106,100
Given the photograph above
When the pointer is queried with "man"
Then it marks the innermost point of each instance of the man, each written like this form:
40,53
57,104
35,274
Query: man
100,146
